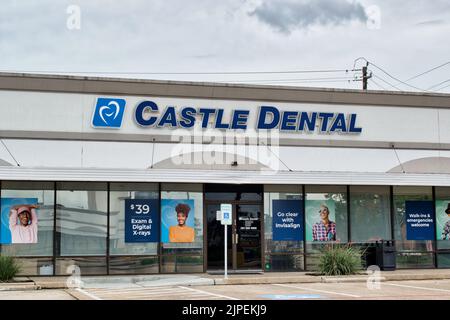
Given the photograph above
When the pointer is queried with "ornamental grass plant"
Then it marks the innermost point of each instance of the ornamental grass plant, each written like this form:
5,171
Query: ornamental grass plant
339,260
9,268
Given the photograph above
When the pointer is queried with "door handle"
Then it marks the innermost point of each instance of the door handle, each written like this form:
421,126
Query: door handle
236,238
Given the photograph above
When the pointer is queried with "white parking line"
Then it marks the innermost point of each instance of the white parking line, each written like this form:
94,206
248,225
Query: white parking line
208,293
131,288
90,295
317,290
415,287
179,296
144,293
163,291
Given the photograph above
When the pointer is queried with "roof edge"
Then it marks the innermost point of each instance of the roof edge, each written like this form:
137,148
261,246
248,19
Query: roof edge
214,90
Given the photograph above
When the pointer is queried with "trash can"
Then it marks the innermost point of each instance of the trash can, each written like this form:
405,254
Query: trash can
386,255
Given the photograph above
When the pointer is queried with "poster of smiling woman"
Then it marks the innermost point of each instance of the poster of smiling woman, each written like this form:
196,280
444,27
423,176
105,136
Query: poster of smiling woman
19,220
177,220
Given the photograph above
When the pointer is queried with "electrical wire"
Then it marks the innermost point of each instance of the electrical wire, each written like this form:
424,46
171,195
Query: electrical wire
377,84
294,80
428,71
396,79
443,88
388,83
437,85
184,73
388,74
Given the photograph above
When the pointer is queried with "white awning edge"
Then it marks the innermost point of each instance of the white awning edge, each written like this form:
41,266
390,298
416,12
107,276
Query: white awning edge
222,176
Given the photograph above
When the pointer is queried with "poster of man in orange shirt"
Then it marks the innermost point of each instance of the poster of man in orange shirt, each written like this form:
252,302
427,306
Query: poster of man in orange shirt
177,220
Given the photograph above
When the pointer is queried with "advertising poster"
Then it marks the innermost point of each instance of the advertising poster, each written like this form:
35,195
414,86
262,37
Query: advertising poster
287,220
141,220
177,220
443,219
19,220
419,220
320,220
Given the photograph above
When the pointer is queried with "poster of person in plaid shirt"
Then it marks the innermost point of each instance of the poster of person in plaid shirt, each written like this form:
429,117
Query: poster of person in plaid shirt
320,220
443,219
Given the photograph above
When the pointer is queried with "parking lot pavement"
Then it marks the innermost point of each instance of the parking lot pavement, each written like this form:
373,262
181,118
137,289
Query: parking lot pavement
36,295
153,293
396,290
392,290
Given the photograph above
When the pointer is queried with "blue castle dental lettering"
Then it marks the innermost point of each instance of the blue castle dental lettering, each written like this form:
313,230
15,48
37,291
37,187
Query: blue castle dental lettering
148,114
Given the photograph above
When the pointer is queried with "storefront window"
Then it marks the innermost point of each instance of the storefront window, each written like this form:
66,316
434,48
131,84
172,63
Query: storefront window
282,255
410,252
326,219
370,213
181,228
443,218
81,226
15,194
119,193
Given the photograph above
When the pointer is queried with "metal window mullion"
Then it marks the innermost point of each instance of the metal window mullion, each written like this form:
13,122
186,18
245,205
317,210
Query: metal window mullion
55,253
108,222
304,227
435,241
349,229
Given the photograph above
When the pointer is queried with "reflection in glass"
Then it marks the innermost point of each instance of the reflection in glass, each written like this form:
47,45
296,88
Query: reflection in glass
442,218
248,224
401,195
81,223
370,213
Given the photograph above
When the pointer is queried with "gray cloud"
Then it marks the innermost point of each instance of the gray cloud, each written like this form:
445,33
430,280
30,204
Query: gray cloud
287,15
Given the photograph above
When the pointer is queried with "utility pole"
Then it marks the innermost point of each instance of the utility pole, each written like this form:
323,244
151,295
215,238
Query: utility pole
365,77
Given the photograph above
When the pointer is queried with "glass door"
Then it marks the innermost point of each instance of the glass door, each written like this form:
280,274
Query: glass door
247,236
244,238
215,236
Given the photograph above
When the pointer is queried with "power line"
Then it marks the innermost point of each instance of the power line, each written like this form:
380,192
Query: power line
428,71
289,80
437,85
183,73
443,88
388,74
390,84
396,79
377,84
302,82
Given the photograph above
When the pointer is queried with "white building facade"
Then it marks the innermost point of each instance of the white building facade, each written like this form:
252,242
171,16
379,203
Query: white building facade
83,148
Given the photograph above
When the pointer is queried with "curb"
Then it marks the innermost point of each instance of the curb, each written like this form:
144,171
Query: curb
38,285
19,287
331,279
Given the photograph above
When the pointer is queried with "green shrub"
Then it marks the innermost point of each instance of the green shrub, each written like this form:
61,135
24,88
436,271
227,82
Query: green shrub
9,268
340,260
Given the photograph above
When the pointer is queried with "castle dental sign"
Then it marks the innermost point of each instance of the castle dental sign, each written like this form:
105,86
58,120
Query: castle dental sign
108,113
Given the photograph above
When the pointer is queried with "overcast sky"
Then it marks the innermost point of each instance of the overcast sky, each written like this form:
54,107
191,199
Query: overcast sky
404,38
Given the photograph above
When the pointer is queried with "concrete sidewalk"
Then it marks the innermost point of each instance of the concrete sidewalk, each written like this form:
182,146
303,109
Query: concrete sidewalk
204,279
